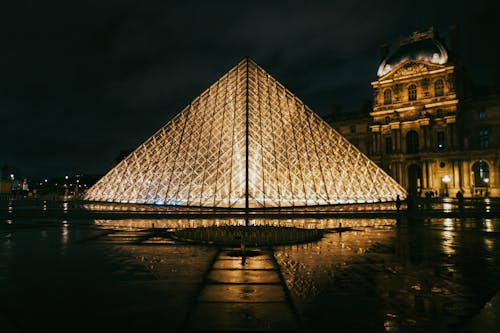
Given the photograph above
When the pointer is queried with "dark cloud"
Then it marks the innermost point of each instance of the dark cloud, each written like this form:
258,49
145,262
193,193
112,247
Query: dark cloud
81,81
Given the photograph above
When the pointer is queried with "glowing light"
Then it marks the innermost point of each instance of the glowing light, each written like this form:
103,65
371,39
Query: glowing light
263,149
65,232
447,206
448,223
436,58
448,243
489,244
446,179
488,225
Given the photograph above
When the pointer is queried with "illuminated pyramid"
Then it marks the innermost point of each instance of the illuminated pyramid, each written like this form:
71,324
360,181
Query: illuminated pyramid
246,142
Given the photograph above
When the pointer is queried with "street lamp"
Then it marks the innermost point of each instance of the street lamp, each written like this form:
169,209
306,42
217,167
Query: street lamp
446,179
486,183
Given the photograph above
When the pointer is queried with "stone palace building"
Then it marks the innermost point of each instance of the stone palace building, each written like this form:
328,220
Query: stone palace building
427,128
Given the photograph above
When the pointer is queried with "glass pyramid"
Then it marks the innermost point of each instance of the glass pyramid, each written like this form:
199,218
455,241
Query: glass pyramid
246,142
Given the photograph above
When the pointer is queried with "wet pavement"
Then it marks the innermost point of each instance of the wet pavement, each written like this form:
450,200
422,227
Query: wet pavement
243,291
427,275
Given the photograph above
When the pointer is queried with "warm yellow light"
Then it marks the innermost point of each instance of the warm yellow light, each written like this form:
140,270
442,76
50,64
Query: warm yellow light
263,148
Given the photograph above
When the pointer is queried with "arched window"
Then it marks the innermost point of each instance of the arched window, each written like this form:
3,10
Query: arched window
387,96
411,142
412,92
481,174
439,88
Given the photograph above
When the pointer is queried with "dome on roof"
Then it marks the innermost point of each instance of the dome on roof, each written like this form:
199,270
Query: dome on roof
420,46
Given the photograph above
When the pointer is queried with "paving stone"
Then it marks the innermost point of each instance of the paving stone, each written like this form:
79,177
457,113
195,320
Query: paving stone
242,293
243,317
249,263
243,276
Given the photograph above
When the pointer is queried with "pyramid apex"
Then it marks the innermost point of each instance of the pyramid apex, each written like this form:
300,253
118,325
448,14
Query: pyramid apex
249,60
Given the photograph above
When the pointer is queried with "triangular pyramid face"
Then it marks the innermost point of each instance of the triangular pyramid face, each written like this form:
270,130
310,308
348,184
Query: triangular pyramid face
199,158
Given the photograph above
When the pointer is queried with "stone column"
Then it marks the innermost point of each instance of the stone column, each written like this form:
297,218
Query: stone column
430,173
447,135
396,137
379,140
393,139
466,172
400,173
375,139
424,175
426,138
449,131
399,139
421,139
452,136
460,168
456,174
374,144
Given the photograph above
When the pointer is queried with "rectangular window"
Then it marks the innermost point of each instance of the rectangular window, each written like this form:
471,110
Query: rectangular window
484,140
440,140
412,92
482,114
388,145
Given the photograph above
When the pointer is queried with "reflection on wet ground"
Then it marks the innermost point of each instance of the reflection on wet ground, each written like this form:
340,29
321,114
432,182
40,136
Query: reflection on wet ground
244,294
434,275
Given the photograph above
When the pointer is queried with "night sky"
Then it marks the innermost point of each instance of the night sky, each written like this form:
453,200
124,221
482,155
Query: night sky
81,81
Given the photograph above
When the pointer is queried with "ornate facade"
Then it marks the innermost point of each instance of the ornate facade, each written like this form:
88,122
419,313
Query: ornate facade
425,132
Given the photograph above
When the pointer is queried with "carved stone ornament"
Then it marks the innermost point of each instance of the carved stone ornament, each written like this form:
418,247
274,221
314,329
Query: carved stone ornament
375,96
450,81
397,88
410,69
425,83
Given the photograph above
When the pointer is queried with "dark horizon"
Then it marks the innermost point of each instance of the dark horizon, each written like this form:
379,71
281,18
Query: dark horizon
81,84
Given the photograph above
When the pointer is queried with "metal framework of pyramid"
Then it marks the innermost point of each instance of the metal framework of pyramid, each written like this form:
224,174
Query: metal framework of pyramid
246,142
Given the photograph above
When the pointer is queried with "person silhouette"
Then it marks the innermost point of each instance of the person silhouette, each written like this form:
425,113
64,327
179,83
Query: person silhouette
460,198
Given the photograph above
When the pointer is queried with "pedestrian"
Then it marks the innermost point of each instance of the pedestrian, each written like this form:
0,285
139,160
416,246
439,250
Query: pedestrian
398,202
460,198
428,196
